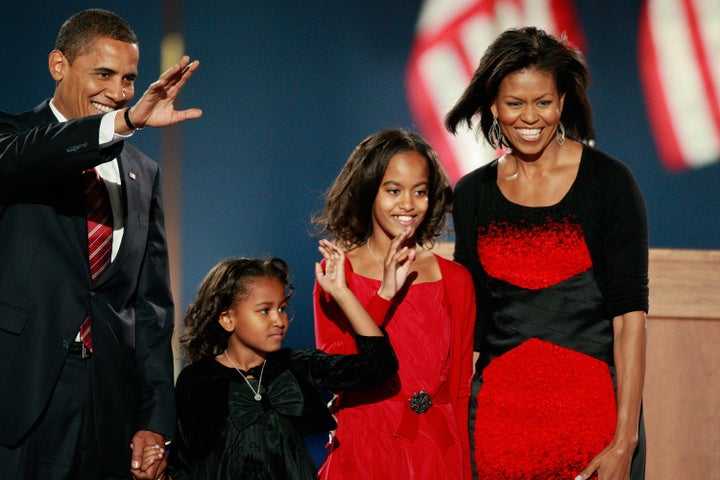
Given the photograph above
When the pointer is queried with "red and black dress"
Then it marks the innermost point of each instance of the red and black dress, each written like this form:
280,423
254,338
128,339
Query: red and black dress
543,400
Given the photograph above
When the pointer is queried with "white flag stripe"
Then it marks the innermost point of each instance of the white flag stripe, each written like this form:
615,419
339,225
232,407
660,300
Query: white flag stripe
682,83
708,13
704,44
435,16
507,15
445,76
443,70
539,12
473,150
476,35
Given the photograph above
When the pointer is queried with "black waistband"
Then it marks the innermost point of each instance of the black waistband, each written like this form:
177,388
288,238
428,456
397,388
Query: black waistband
571,314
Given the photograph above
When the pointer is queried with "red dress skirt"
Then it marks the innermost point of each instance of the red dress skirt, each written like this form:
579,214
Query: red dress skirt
543,412
378,436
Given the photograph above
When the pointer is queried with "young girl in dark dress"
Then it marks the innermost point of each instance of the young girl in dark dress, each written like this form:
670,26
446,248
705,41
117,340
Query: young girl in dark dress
245,403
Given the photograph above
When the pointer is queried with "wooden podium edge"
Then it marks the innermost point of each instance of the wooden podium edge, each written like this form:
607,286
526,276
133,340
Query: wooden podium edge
684,284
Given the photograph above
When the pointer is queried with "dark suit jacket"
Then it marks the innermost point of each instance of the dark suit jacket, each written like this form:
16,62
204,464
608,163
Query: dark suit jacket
45,286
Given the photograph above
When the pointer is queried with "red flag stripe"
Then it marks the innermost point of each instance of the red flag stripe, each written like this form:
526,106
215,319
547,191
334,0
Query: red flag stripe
658,109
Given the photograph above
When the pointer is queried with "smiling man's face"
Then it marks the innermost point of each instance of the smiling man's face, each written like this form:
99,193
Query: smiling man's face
98,81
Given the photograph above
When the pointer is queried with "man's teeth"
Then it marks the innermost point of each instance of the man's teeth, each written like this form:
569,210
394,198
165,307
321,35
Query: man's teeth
102,108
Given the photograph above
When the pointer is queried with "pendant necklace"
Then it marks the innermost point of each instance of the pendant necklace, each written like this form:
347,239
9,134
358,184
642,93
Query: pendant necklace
382,270
257,395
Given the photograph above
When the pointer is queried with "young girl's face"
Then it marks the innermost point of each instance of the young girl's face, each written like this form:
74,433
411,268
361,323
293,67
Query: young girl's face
258,321
402,199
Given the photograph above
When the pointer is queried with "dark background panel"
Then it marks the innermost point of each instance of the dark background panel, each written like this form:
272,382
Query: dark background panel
288,88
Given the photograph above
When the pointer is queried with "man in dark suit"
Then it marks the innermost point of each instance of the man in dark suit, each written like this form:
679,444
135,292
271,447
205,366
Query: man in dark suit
72,405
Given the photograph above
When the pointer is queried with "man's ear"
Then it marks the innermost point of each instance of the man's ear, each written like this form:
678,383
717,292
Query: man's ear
56,64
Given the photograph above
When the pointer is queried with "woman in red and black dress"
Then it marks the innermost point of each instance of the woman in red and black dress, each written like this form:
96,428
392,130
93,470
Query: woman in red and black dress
555,235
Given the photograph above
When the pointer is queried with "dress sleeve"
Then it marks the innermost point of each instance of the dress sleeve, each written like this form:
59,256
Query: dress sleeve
333,332
374,361
622,228
464,205
179,449
462,298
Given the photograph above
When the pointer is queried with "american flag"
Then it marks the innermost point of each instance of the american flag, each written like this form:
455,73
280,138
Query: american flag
678,44
679,48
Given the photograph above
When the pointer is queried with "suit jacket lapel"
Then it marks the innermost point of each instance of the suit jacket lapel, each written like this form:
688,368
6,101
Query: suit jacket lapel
129,194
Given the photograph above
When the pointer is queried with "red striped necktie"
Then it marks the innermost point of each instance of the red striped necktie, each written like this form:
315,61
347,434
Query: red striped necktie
100,229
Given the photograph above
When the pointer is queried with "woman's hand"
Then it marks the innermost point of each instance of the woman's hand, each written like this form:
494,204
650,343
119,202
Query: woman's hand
613,463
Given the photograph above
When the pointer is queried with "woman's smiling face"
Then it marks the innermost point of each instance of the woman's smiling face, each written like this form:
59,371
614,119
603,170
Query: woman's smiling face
528,107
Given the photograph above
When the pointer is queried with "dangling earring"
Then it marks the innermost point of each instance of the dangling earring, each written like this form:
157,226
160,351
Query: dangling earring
560,134
495,134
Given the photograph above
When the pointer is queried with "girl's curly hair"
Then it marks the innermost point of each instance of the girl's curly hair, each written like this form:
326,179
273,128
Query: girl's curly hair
227,282
347,215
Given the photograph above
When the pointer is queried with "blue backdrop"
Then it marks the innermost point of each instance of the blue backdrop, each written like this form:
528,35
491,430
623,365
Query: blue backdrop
288,88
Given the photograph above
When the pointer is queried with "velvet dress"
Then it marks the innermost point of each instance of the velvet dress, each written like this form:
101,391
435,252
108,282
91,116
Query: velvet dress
224,433
543,401
388,430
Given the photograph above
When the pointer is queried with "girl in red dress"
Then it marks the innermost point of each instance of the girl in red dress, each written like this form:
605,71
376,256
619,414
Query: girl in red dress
388,204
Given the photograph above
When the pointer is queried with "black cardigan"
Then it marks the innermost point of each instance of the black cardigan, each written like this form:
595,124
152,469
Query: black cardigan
612,212
202,392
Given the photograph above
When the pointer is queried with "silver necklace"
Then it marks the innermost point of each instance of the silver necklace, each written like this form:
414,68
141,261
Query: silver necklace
257,395
382,270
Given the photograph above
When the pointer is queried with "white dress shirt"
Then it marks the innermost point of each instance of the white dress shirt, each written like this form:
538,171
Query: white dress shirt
109,172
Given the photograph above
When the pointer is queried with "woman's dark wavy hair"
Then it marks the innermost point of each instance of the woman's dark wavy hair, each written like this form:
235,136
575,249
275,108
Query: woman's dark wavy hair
347,215
227,282
518,49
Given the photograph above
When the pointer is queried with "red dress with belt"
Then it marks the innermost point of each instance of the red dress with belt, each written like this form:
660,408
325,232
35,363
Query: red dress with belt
413,425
